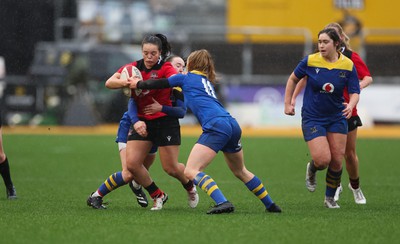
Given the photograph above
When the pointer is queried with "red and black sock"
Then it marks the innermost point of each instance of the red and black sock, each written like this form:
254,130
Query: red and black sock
188,186
355,184
154,191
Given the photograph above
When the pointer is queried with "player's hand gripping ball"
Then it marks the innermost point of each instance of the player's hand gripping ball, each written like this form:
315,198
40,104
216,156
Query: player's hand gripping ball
128,72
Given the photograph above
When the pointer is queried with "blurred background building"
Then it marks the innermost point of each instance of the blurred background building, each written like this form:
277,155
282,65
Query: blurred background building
57,54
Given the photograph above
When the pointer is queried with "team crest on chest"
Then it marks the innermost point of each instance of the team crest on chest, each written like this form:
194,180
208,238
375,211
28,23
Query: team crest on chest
153,75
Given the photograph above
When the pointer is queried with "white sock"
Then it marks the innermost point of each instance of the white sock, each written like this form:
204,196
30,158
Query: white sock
136,185
96,194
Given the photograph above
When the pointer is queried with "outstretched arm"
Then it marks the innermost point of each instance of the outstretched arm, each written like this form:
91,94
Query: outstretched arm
136,83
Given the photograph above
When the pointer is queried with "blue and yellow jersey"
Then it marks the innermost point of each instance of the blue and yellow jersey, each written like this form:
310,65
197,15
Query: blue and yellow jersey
199,96
323,96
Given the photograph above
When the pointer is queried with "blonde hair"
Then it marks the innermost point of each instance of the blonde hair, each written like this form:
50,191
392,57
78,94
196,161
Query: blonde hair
202,61
345,38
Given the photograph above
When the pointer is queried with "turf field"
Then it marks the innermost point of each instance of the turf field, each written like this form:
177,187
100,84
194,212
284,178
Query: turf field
54,174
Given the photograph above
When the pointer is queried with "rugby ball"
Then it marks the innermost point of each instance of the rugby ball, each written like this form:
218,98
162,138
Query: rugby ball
128,72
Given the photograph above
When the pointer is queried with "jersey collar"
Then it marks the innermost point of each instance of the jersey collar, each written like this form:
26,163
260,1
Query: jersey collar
198,73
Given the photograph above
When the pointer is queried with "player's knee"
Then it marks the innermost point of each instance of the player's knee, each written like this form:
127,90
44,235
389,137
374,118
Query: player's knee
190,173
127,175
171,170
322,162
350,156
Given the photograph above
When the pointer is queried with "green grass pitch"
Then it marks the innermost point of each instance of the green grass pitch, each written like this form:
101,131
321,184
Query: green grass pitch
54,174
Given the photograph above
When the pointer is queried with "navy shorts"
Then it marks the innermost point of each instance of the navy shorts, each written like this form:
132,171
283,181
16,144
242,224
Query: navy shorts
164,131
125,126
222,134
314,128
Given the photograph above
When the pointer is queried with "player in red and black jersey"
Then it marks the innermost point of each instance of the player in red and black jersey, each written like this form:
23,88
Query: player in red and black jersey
156,129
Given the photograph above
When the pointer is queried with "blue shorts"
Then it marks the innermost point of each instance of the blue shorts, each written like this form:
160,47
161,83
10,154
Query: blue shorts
222,134
123,131
313,128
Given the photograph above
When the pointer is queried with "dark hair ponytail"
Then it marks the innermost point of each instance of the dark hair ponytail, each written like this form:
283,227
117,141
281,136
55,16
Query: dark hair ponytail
161,42
166,47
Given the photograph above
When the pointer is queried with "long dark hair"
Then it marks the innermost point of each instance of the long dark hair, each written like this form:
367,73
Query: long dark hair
161,42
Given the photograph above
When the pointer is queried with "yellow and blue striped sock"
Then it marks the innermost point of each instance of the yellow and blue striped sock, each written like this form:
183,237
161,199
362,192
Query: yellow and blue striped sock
207,184
332,181
111,183
257,187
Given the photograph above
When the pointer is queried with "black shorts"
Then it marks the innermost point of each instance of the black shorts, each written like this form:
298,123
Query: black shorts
353,123
164,131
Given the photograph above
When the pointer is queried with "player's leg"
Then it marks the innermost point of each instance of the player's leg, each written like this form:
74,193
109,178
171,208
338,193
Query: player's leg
200,157
122,137
337,144
120,178
136,188
169,140
137,151
352,166
5,170
321,157
314,133
235,162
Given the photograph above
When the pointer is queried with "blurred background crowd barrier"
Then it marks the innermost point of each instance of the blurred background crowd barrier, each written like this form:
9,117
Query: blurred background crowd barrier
56,55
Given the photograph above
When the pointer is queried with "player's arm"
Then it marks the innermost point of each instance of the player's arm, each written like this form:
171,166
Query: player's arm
150,84
179,109
290,87
139,126
353,100
115,82
299,87
362,71
132,111
353,89
366,81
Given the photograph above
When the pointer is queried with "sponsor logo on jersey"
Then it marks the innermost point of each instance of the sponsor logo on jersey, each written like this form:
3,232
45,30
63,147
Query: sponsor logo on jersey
328,88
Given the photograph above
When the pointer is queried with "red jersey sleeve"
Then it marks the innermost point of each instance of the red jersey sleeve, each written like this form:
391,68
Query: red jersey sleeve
362,69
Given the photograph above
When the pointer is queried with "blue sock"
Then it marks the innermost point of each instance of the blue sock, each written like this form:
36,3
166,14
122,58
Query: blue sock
207,184
113,182
257,187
